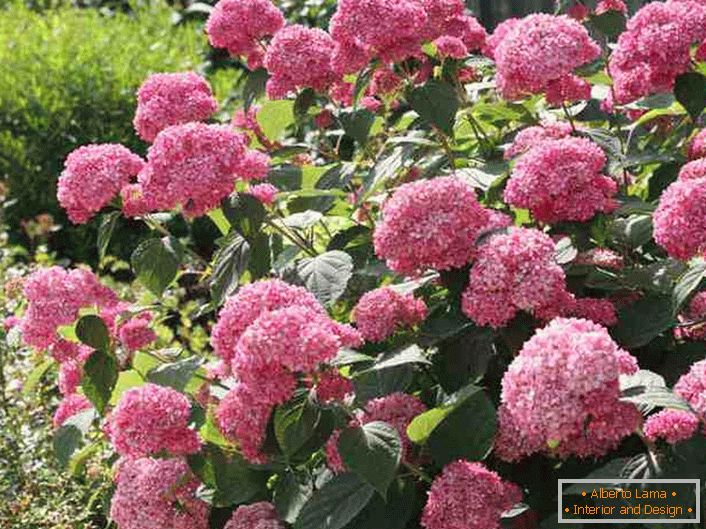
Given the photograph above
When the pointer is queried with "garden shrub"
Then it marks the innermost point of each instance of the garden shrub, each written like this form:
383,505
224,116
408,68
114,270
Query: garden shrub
453,267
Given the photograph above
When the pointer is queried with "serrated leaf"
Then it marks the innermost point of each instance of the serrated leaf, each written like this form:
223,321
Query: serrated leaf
92,331
229,263
690,90
100,374
175,375
291,493
326,275
633,231
654,396
275,116
357,123
244,212
642,321
336,503
372,451
302,220
156,262
105,232
437,103
295,422
69,436
422,426
611,23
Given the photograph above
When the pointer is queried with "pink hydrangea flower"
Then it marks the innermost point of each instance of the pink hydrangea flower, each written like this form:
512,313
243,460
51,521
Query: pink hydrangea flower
150,419
69,406
70,375
578,11
448,17
693,326
697,146
246,119
680,218
531,137
512,272
252,300
240,26
333,387
674,426
157,494
133,331
299,57
334,461
54,298
429,224
655,48
452,47
166,99
384,81
601,311
260,515
380,312
324,119
611,5
562,180
501,31
600,257
265,193
567,89
370,103
92,176
194,166
561,394
134,202
693,169
692,388
11,322
468,496
537,50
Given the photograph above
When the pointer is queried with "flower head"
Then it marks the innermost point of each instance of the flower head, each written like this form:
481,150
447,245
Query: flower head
260,515
380,312
674,426
697,146
265,193
692,388
531,137
69,406
680,218
692,319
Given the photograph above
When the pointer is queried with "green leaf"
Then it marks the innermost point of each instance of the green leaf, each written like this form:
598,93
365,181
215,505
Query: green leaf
176,374
326,275
464,358
126,380
690,90
244,212
393,512
424,424
105,231
642,321
254,87
611,23
303,102
373,384
302,220
372,451
229,263
437,103
654,396
69,437
260,262
92,331
35,376
156,262
295,422
275,116
688,282
100,374
357,123
291,493
633,231
336,503
407,354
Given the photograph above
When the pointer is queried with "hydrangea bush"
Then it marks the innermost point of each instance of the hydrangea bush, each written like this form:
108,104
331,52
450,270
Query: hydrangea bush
454,266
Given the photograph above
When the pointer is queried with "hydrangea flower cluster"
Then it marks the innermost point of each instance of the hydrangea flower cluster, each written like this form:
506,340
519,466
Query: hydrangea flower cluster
515,271
692,388
562,180
240,26
69,406
601,311
333,387
265,193
655,48
531,137
468,496
693,319
195,166
693,169
133,331
560,395
697,146
157,494
674,426
611,5
380,312
430,224
600,257
537,50
396,409
299,57
166,99
269,331
150,419
93,175
260,515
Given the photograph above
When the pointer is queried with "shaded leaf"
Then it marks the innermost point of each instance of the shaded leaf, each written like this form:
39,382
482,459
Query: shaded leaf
100,374
176,374
229,262
105,232
690,91
437,103
92,331
336,503
155,262
326,275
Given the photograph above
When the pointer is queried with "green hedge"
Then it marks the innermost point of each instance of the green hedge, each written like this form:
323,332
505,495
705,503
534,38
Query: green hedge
69,78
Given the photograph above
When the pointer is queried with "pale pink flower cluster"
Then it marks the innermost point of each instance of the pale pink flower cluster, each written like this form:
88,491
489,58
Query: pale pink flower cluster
166,99
692,388
562,180
151,419
430,224
194,166
299,57
468,496
93,175
268,332
157,494
240,26
561,394
69,406
531,137
333,387
680,218
515,271
535,51
380,312
655,48
693,319
396,409
260,515
674,426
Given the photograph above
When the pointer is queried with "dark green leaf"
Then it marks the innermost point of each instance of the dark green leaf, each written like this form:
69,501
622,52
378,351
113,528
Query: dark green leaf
464,358
229,262
295,422
155,262
105,232
244,212
689,282
69,436
642,321
304,101
357,123
326,275
632,231
394,512
424,424
407,354
91,330
254,87
372,451
690,91
437,103
291,493
373,384
611,23
100,374
260,262
336,503
176,374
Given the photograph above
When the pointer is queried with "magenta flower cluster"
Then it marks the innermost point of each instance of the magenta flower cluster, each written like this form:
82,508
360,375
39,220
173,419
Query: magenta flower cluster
380,312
